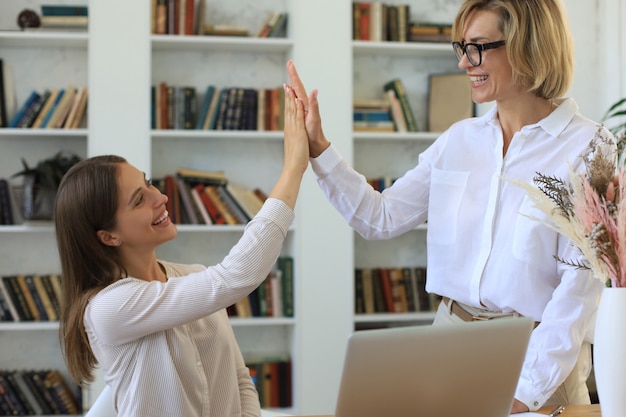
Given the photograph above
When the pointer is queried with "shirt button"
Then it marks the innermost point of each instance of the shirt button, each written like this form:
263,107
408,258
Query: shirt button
199,363
536,403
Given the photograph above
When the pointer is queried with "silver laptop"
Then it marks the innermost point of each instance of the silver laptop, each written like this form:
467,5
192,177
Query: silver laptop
451,370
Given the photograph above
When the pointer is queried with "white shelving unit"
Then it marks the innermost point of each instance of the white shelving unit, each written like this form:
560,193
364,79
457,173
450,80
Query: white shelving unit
119,60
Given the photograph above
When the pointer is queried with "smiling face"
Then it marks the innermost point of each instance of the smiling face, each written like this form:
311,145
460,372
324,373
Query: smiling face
493,79
142,220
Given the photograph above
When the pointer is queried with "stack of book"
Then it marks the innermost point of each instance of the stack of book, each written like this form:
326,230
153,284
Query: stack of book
228,108
64,17
36,392
57,108
30,297
392,290
273,298
372,116
207,197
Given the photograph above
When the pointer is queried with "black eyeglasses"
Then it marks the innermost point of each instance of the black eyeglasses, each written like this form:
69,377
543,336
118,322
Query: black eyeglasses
474,51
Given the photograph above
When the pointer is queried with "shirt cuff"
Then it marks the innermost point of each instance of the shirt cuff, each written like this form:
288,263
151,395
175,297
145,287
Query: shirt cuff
326,161
278,212
526,395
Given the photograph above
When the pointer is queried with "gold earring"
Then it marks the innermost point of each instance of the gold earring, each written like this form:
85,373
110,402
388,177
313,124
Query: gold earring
117,242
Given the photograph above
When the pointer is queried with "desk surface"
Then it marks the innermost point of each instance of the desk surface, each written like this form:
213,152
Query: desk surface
570,411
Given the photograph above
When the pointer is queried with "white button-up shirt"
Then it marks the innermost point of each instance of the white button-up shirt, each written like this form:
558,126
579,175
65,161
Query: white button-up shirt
481,250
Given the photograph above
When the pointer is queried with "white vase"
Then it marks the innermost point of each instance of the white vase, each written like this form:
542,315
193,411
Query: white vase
609,352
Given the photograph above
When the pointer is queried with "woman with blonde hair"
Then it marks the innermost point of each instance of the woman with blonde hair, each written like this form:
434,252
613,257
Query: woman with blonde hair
485,257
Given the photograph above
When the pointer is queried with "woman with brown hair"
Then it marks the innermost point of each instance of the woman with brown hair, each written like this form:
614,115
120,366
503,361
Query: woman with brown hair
159,330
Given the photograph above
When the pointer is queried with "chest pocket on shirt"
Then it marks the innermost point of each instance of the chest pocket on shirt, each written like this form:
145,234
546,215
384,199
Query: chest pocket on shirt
532,241
446,193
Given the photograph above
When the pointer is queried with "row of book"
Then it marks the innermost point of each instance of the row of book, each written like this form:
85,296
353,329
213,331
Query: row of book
207,197
392,113
273,381
36,392
378,21
30,297
273,298
52,109
392,290
187,17
228,108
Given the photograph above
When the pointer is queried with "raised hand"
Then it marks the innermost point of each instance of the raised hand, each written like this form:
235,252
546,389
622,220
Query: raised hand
313,122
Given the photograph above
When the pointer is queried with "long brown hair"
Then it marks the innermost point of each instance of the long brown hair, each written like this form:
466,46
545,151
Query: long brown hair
538,41
86,202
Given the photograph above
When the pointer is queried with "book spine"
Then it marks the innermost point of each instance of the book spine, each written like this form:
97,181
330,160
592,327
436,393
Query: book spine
31,100
41,310
285,264
5,203
213,194
398,87
216,215
232,205
61,10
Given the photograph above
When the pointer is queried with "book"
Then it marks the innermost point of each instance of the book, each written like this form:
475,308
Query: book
60,392
9,96
213,194
279,28
53,108
63,10
4,120
397,86
63,108
449,100
28,397
73,108
32,288
80,112
184,191
28,297
192,176
64,21
204,109
6,210
246,199
232,206
42,292
212,112
368,291
285,265
33,111
47,106
225,30
9,300
199,204
31,100
52,296
217,217
396,112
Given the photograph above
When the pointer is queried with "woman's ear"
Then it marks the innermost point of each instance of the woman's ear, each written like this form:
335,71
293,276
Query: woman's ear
107,238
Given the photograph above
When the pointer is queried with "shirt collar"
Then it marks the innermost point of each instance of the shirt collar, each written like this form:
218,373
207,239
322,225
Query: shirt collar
553,124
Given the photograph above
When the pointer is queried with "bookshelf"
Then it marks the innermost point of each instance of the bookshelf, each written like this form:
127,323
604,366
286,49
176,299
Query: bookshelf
324,248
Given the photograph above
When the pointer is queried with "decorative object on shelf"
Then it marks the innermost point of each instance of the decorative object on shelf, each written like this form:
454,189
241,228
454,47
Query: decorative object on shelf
616,111
28,19
40,185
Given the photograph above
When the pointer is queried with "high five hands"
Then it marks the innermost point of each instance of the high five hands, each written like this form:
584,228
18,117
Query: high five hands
313,122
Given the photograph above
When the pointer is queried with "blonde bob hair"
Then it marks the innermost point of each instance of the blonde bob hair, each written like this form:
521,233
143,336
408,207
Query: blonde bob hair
539,43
